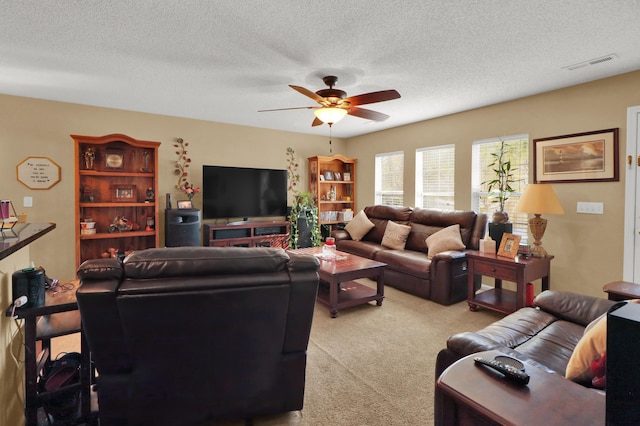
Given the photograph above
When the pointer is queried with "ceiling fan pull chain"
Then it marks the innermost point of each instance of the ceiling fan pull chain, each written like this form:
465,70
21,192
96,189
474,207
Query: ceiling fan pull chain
330,147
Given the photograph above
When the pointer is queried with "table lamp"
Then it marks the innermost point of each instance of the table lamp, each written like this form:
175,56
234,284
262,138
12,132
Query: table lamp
539,198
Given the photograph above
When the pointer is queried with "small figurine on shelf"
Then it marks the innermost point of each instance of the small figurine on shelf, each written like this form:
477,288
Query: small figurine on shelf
89,158
120,224
150,195
151,223
146,157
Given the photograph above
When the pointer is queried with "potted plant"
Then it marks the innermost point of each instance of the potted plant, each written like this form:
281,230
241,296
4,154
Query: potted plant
303,222
499,189
304,230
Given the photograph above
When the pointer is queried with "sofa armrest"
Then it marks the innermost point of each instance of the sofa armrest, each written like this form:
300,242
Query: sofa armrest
340,234
578,308
96,296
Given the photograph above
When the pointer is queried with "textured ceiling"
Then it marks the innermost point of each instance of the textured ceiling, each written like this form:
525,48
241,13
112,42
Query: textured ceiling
224,60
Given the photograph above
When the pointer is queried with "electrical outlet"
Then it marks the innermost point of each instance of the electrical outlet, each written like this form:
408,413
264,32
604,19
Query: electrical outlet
28,202
590,208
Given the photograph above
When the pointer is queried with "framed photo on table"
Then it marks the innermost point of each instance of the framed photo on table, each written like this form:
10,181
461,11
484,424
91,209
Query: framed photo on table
580,157
186,204
509,245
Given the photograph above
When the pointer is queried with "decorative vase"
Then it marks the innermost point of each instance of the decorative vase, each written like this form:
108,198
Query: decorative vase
497,229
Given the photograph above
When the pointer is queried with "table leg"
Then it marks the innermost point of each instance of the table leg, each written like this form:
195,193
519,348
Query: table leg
334,288
546,283
30,372
380,287
85,378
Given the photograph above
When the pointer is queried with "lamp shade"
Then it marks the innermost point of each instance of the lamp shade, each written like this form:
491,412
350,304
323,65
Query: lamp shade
539,198
330,115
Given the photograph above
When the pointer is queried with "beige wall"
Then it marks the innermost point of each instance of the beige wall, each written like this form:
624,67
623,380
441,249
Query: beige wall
588,248
41,128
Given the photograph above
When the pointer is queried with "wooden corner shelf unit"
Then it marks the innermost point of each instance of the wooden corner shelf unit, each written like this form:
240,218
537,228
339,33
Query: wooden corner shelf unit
332,180
115,177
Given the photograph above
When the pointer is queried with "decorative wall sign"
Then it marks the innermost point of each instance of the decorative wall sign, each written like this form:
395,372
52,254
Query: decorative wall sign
38,172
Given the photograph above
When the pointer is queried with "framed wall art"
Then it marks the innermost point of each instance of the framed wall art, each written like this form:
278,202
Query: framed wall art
580,157
509,245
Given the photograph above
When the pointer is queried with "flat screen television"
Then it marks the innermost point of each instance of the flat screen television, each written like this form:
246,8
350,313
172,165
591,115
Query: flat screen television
242,192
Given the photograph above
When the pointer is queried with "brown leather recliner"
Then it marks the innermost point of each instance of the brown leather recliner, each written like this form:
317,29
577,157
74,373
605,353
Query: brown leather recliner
187,335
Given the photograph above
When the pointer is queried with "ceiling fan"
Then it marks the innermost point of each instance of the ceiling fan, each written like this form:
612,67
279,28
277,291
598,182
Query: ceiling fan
334,103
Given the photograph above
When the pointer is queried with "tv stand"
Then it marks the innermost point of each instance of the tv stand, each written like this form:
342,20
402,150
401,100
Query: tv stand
248,234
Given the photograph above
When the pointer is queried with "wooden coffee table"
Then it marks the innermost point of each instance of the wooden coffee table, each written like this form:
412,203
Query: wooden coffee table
340,291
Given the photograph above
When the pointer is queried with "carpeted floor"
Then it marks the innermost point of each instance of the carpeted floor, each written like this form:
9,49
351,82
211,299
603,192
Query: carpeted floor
375,365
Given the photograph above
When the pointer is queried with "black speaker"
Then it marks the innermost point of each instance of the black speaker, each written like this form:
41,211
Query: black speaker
29,282
623,364
182,227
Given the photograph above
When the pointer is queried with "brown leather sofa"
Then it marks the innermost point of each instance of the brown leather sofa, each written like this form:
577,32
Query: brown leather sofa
544,335
188,335
442,279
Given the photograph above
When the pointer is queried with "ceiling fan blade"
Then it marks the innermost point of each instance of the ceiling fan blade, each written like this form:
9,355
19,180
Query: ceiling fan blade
316,122
309,93
286,109
373,97
367,114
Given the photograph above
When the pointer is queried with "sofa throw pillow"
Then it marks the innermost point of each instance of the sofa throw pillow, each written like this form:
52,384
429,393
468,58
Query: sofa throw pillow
395,235
359,226
443,240
589,349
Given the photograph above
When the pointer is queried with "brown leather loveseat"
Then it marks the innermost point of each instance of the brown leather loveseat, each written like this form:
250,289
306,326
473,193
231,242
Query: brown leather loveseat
443,278
545,335
189,335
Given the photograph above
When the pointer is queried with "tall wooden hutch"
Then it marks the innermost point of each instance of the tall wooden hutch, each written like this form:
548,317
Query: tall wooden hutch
116,186
332,180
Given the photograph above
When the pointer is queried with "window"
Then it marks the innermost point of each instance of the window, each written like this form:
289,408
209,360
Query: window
389,179
517,151
435,172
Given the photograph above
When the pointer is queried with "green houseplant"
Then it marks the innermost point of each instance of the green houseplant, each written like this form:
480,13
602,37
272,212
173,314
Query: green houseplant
304,229
499,189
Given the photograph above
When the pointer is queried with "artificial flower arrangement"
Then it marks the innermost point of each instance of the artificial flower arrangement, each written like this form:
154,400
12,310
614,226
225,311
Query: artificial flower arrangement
190,190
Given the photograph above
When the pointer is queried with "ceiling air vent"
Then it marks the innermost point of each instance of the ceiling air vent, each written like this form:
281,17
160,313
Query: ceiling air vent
590,62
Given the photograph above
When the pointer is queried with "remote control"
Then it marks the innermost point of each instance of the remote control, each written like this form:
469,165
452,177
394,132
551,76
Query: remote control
508,371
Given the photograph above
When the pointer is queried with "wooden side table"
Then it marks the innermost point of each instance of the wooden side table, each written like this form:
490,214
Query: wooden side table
622,290
474,394
519,270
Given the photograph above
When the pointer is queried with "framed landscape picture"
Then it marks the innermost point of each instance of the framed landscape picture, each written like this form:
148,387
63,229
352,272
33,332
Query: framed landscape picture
580,157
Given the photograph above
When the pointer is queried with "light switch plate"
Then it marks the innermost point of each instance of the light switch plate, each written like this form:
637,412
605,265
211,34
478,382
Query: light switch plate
28,202
590,208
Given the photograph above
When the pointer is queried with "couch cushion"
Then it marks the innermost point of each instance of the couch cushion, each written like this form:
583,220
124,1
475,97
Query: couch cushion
359,226
443,218
395,235
360,248
380,215
592,344
406,261
553,346
446,239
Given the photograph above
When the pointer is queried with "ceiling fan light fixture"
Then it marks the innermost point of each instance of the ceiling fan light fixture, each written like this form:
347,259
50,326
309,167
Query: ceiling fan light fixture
330,115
